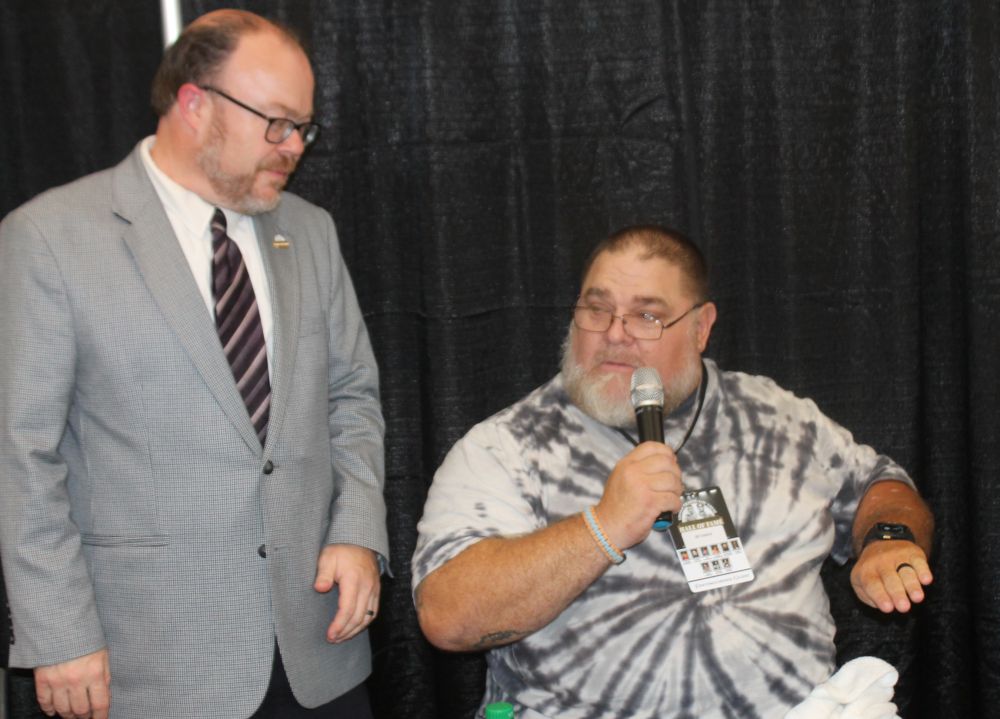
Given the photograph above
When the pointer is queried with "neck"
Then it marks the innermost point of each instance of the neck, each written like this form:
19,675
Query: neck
175,159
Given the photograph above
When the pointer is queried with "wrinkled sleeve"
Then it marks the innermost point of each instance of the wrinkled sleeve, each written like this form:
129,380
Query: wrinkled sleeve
854,467
482,489
357,428
53,611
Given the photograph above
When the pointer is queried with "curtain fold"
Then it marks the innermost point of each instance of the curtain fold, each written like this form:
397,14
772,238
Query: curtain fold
838,162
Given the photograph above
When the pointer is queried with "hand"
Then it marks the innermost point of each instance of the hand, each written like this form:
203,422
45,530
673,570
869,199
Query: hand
890,574
644,483
77,689
355,572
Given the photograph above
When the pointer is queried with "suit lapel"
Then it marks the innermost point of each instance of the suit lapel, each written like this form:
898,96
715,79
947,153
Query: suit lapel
151,240
278,250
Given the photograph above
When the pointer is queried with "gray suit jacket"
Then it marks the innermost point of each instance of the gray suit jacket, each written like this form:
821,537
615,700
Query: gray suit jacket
135,494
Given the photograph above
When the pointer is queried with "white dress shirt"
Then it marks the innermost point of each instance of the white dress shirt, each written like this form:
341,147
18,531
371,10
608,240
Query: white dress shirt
191,218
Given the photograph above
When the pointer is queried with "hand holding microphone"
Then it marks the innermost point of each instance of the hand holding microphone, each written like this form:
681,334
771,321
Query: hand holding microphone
647,400
644,478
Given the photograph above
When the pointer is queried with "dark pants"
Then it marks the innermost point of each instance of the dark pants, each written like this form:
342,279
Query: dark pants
279,703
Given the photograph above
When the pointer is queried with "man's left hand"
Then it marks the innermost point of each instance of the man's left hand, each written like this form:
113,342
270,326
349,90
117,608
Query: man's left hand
891,575
355,572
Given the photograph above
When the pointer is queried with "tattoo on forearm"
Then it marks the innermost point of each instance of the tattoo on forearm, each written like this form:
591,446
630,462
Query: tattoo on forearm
502,637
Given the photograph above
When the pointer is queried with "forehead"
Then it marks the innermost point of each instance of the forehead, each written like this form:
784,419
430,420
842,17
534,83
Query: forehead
271,70
630,276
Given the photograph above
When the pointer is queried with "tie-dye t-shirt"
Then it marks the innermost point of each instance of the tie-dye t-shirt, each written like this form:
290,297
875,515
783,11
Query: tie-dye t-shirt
638,643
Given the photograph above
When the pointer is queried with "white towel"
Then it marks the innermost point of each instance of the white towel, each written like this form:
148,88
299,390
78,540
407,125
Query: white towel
861,689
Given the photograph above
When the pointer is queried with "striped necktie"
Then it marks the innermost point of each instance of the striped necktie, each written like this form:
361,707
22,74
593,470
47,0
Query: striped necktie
237,320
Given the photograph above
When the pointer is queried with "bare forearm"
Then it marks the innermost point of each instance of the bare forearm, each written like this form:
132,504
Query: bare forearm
502,589
894,502
891,574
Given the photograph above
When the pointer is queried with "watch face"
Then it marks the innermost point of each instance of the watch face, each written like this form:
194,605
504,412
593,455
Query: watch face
893,529
888,530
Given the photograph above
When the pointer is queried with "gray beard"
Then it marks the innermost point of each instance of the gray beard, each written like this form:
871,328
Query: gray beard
587,392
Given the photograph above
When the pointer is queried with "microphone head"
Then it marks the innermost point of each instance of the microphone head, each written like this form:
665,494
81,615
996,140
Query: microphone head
647,389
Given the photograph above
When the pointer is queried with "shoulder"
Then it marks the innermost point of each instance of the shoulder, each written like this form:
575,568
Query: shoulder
761,393
107,196
542,429
74,198
294,211
539,411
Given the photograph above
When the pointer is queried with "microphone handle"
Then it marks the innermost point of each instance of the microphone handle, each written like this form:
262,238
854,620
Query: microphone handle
649,420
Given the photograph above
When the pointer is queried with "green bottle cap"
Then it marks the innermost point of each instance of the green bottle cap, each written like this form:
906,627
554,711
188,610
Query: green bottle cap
499,710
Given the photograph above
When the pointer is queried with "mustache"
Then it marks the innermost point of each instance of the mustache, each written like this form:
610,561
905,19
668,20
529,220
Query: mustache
618,357
281,164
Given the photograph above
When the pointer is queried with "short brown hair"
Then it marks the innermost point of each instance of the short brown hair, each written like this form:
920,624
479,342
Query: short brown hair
661,242
202,48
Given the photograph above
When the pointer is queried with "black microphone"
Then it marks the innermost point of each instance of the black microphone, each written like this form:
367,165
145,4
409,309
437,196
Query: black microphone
647,399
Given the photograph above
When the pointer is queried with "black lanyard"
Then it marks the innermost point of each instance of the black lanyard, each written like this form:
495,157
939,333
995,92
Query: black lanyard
694,420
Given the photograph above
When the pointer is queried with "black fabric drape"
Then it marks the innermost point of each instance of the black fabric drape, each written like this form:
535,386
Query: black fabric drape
838,163
5,622
76,80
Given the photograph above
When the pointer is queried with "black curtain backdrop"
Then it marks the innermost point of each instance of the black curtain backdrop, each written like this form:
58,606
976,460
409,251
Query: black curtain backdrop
837,162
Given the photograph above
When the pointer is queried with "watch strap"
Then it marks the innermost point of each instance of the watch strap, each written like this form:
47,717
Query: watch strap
888,531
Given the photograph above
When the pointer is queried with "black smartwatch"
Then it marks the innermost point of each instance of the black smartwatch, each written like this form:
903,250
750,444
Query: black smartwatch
887,530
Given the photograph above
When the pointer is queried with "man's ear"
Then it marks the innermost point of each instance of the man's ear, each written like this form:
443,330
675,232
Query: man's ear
706,320
193,106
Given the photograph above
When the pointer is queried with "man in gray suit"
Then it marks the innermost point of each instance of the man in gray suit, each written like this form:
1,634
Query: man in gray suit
191,458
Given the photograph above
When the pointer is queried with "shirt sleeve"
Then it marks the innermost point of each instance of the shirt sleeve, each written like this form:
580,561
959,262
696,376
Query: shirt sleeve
482,489
357,427
856,467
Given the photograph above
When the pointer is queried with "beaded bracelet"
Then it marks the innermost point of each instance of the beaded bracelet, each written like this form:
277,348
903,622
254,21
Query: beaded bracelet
614,554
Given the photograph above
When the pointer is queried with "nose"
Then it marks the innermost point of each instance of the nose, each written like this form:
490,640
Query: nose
616,332
293,144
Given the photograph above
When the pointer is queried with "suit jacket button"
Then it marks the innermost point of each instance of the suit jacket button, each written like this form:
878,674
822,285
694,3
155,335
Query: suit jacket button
268,467
262,551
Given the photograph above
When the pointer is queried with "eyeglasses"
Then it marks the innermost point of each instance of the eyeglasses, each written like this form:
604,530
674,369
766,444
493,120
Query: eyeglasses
641,326
279,129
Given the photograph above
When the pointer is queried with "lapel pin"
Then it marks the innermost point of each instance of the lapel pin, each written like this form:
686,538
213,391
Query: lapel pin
279,242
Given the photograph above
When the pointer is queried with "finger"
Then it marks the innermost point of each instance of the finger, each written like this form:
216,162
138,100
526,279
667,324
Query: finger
665,481
326,572
647,449
341,625
367,604
859,587
911,582
869,594
43,694
79,701
669,501
369,610
870,587
100,699
655,462
354,625
899,598
62,704
880,598
922,569
348,611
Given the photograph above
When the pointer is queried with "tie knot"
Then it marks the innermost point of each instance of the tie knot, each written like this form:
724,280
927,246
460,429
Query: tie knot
218,223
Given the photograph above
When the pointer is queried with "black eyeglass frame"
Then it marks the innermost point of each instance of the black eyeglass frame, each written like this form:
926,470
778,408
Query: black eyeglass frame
308,130
624,318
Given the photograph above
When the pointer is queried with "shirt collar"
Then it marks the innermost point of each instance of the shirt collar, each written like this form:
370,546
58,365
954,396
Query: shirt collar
194,213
